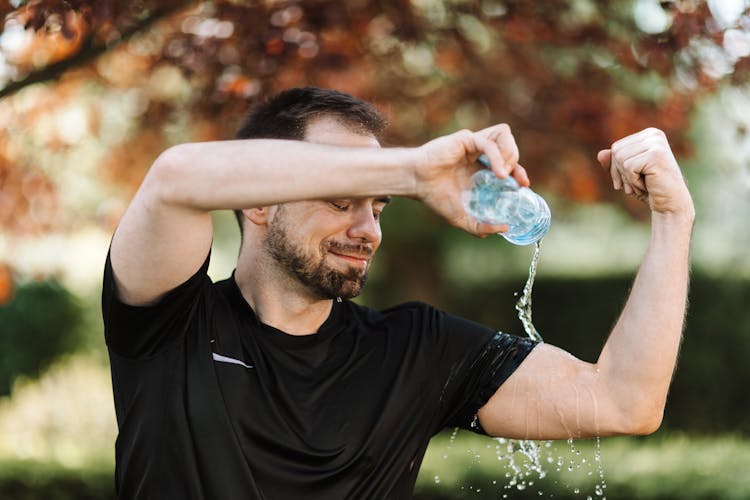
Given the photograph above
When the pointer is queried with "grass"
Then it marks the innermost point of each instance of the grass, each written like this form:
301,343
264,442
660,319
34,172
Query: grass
663,466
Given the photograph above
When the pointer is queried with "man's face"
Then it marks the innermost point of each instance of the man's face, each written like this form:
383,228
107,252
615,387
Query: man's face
327,246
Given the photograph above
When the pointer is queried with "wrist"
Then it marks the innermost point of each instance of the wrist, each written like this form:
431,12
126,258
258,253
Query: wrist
416,166
673,223
684,215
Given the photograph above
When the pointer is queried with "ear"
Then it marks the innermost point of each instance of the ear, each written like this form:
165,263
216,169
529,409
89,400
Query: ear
258,216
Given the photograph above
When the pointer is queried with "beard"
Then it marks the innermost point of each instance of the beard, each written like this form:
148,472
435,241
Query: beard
324,281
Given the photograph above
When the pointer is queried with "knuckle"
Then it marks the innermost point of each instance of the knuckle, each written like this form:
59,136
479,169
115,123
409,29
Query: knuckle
463,135
656,131
618,157
660,155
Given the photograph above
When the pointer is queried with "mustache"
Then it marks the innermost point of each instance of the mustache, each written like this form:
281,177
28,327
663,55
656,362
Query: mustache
361,249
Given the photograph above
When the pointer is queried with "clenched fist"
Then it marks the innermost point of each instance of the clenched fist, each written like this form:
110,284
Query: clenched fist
642,165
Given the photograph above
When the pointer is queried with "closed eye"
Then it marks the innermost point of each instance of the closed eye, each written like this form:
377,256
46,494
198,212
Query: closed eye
341,205
379,206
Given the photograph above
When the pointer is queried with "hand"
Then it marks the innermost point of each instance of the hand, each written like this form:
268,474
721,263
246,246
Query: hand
642,165
448,163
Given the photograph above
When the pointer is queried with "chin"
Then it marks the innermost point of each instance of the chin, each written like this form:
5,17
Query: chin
348,292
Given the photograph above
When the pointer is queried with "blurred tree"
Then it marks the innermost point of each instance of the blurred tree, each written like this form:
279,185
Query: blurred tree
570,76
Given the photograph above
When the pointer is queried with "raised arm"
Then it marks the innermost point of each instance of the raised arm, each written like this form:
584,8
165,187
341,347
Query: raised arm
553,395
166,232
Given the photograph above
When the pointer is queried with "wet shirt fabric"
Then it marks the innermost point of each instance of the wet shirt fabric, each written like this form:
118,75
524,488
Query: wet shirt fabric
211,403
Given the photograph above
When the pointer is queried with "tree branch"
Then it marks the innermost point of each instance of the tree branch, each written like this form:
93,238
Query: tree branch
88,52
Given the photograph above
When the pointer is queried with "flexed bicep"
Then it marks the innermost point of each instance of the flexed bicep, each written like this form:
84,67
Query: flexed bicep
554,395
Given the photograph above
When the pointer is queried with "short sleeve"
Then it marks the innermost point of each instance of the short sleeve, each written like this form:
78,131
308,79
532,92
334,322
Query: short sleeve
473,361
144,331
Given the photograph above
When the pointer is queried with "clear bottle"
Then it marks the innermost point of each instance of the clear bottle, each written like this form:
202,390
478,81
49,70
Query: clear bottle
502,201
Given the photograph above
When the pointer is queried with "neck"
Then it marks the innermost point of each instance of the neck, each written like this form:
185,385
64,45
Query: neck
280,302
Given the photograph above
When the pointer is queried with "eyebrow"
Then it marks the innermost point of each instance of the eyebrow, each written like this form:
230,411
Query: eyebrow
384,199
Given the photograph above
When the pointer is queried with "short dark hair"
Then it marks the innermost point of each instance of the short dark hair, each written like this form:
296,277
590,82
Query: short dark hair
287,115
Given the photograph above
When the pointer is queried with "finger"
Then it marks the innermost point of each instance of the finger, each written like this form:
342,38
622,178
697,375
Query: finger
638,194
503,136
616,178
636,137
605,157
635,190
519,173
492,152
481,229
507,144
631,150
638,143
607,161
634,172
484,229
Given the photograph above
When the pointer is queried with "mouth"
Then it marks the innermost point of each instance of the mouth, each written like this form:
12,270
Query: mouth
354,259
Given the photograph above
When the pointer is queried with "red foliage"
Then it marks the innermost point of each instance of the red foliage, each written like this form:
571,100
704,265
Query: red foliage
557,79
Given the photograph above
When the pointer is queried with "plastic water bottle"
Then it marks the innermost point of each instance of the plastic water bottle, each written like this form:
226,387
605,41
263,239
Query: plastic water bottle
502,201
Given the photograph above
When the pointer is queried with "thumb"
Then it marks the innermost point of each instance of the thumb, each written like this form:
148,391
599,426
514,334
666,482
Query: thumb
485,229
604,156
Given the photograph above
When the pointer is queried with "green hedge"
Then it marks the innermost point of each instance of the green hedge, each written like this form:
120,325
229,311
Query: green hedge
41,322
665,466
661,467
709,392
30,480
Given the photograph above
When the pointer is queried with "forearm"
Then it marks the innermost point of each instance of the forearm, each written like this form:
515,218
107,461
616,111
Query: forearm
638,360
166,232
261,172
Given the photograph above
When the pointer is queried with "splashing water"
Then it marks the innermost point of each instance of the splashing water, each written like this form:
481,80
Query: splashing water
531,464
523,306
524,458
530,450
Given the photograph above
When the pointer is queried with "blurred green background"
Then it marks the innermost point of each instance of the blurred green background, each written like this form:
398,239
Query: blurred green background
91,92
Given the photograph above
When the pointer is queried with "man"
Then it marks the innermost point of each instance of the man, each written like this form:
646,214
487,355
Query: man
272,384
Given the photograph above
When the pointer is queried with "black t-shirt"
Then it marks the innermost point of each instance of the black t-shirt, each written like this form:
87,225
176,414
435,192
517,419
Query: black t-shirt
213,404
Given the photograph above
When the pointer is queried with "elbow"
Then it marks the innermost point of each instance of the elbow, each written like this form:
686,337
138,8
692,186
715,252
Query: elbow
646,425
639,421
166,176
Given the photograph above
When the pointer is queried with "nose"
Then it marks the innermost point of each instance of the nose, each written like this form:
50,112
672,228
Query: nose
365,225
